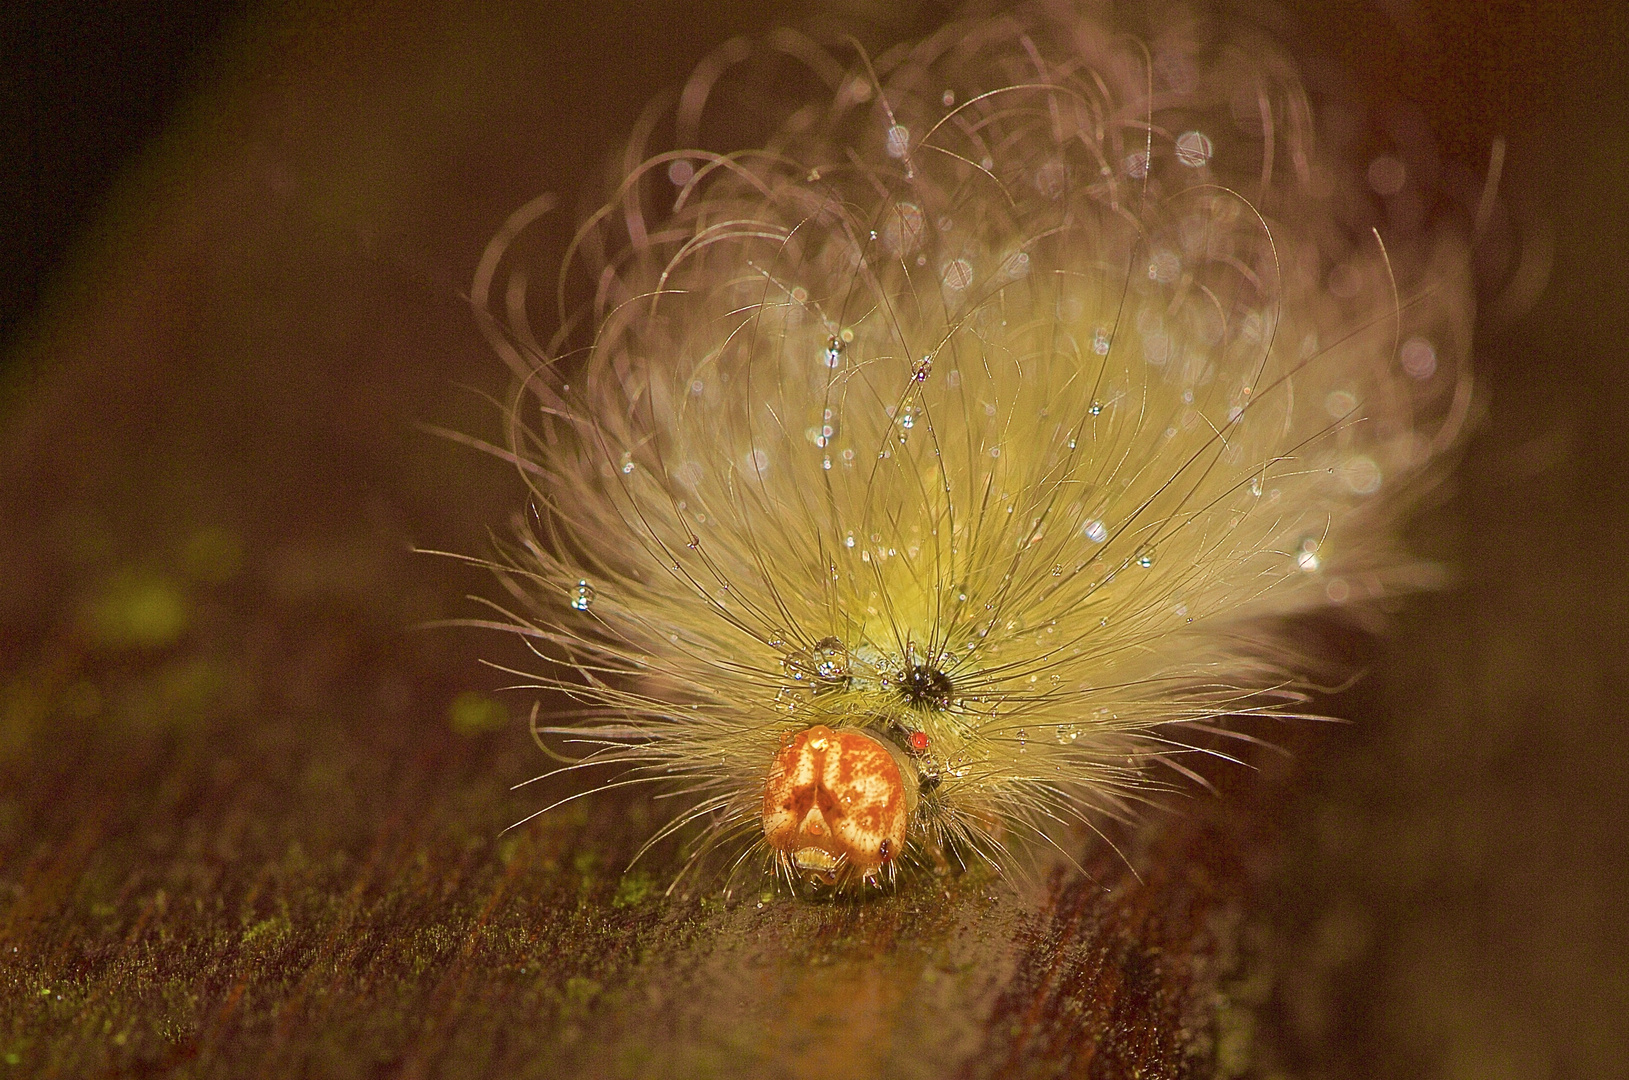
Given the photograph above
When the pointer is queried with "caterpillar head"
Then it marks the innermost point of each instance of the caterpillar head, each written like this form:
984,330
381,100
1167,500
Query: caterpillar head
837,805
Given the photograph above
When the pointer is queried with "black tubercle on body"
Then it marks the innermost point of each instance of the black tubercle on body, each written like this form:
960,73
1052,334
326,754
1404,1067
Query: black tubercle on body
925,687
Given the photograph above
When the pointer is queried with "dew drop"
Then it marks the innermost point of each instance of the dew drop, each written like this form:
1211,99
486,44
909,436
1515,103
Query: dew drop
833,356
898,140
1361,475
902,230
957,274
1418,358
1307,557
1194,149
1095,531
1340,404
582,597
1164,266
1096,408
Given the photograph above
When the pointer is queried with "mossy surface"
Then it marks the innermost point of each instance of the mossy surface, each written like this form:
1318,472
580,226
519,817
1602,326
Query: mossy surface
209,865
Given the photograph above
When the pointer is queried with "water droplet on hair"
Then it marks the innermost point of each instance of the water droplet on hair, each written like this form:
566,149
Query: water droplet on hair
833,356
1194,149
898,140
1164,266
1307,557
1360,475
582,597
1418,357
1340,403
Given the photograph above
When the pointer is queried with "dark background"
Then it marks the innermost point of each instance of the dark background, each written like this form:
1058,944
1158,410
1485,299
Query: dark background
84,88
249,824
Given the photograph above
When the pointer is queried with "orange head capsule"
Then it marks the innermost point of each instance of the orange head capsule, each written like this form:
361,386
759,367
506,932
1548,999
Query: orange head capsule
835,804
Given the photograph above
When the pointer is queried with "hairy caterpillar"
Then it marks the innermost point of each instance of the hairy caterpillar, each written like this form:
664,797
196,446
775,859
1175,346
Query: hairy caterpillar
937,470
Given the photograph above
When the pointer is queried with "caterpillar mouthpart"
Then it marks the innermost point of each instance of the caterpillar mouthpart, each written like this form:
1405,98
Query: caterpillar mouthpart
942,473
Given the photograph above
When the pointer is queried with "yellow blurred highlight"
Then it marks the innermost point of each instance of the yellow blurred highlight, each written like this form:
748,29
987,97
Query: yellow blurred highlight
137,609
471,713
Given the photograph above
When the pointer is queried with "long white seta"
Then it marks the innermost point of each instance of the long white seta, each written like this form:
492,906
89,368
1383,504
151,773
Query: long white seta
934,477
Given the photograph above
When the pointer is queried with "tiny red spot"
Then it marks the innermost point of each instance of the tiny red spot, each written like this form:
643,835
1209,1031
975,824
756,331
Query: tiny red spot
919,741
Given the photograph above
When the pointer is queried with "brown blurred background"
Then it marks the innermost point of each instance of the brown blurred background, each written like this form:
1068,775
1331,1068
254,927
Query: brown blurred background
250,819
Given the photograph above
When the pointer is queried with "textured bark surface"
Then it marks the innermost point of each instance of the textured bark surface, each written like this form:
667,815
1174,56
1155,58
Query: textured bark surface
251,821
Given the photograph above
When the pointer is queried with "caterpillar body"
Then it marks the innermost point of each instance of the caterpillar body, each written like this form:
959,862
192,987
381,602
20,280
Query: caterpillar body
938,470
